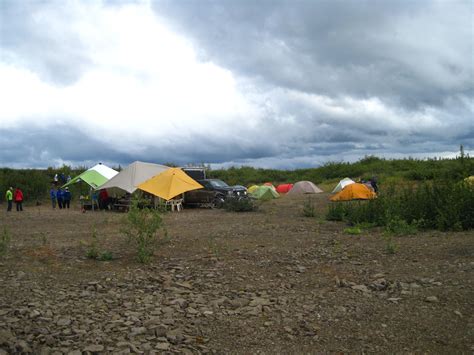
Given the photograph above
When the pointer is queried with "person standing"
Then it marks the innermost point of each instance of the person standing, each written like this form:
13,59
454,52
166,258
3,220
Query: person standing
59,197
103,199
52,194
373,183
19,199
9,197
66,198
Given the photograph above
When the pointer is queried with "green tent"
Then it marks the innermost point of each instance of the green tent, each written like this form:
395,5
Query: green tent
95,176
264,193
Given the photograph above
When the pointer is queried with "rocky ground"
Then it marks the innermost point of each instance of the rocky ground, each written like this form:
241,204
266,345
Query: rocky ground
271,281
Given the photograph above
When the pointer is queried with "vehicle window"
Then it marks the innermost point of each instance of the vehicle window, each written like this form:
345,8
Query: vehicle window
218,183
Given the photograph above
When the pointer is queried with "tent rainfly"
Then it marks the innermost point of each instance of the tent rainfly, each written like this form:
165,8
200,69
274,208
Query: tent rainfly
343,183
133,175
95,176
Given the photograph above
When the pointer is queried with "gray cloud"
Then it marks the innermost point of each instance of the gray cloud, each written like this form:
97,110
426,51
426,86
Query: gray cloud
29,38
412,58
413,53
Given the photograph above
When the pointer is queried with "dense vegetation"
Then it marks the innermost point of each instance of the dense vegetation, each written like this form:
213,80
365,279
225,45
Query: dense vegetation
440,204
399,169
36,183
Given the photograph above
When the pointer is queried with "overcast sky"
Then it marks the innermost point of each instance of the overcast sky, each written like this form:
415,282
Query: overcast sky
268,83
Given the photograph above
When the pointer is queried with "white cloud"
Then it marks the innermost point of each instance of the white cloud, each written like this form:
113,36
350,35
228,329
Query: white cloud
144,80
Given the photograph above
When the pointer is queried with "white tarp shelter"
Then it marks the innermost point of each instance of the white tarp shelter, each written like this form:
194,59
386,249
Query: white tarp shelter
133,175
343,183
95,176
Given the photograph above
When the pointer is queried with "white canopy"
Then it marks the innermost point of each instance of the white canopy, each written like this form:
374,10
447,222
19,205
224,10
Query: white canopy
104,170
343,183
133,175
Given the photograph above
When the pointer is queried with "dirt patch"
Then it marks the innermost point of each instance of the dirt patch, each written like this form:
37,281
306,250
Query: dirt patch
271,281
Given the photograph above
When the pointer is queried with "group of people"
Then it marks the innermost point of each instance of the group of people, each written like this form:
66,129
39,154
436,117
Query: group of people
16,196
60,196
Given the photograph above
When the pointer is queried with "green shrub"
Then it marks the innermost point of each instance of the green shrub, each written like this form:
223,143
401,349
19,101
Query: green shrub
308,208
141,228
398,226
390,246
336,212
233,204
442,205
353,230
92,250
5,240
105,256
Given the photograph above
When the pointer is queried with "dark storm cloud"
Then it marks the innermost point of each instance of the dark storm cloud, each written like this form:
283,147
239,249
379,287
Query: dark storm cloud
43,146
30,36
35,146
399,51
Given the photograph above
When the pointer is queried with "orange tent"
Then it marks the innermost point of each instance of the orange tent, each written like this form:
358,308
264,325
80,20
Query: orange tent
354,192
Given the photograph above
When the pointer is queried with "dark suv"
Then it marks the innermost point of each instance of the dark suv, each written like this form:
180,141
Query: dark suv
214,193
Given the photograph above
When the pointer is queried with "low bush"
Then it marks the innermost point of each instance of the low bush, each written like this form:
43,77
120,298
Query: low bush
308,208
353,230
105,256
441,205
141,228
5,240
240,205
92,249
336,212
390,246
398,226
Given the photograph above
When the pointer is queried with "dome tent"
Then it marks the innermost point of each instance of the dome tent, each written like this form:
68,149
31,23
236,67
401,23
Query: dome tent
264,193
304,187
354,191
252,188
284,188
270,185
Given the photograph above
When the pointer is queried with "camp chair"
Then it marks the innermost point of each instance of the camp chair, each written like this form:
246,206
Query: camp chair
175,204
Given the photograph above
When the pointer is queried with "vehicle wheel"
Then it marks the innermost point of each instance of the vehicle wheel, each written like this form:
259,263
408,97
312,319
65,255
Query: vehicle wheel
218,202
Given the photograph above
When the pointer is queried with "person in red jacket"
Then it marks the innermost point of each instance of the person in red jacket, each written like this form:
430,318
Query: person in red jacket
18,197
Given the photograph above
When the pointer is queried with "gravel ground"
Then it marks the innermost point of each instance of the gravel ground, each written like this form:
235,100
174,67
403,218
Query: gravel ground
271,281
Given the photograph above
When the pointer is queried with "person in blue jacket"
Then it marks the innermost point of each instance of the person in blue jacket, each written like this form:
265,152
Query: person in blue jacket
66,197
59,197
52,194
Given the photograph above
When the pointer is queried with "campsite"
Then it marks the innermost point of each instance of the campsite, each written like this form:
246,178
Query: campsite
236,177
268,281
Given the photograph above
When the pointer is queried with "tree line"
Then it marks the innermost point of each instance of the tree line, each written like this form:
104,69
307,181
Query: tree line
36,183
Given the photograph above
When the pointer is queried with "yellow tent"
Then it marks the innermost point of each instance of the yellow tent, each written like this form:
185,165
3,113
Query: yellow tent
252,188
354,192
169,184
